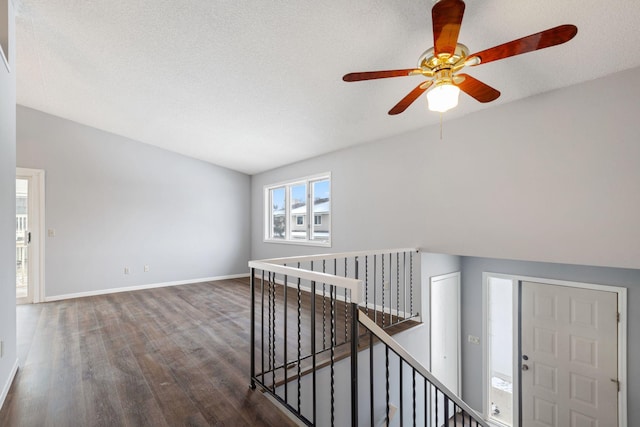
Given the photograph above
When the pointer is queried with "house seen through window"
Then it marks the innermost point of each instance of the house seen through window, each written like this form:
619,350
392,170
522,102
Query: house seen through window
289,204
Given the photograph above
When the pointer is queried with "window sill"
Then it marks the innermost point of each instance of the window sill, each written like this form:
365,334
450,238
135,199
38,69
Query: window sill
300,243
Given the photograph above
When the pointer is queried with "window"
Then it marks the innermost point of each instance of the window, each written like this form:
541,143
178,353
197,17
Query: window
500,350
288,204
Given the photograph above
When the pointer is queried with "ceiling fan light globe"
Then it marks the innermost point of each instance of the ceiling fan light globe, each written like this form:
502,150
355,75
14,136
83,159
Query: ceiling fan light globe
443,97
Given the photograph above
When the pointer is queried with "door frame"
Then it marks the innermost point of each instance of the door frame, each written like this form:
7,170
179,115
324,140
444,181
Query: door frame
36,202
516,279
432,279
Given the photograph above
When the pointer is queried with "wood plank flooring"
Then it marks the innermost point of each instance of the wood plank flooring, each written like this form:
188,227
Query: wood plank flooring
160,357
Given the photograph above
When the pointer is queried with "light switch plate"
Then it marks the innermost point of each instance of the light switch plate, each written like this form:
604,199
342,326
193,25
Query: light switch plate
473,339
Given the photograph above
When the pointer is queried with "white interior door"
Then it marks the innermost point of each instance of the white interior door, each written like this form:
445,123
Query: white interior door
445,329
569,356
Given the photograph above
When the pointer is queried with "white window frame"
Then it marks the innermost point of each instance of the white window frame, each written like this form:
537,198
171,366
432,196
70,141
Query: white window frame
268,204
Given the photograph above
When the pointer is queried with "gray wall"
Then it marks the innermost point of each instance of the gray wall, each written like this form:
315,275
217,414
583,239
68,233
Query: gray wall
472,269
8,211
115,202
553,178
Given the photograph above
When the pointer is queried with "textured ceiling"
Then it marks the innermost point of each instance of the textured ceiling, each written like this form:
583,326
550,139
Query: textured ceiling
253,85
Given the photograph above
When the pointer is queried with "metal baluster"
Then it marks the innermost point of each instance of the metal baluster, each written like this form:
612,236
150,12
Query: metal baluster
404,284
401,393
436,393
299,345
414,396
386,353
455,416
427,412
411,283
354,364
313,346
390,291
332,303
366,284
446,408
346,308
371,402
252,383
382,256
375,289
269,321
273,342
262,328
286,338
324,311
272,310
397,286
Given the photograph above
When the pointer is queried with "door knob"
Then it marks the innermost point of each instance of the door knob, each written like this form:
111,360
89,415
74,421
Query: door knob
525,367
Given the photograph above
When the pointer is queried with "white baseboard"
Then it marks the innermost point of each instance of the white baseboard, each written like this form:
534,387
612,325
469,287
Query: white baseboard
140,287
7,386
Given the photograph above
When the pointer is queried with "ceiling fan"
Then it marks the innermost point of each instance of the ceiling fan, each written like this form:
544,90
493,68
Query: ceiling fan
442,63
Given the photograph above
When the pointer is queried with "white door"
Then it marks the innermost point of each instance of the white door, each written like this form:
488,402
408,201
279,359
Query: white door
569,356
445,329
24,275
29,241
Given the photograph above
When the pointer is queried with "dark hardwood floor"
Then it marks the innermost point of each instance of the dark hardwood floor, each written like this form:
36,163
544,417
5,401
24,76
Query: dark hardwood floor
161,357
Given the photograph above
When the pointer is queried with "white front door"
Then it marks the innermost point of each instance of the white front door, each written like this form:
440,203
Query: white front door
569,356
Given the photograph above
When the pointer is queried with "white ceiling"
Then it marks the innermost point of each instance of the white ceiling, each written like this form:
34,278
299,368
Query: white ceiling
253,85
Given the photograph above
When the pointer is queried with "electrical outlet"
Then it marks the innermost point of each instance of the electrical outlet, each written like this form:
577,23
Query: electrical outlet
473,339
126,270
146,268
51,232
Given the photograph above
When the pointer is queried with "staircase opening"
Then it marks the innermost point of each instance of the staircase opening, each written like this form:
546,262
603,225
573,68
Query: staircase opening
322,345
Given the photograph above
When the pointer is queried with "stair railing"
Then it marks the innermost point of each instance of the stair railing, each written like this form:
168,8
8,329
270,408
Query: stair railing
430,403
279,348
305,342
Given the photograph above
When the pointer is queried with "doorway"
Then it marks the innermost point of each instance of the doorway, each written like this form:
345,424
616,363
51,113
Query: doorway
568,352
29,239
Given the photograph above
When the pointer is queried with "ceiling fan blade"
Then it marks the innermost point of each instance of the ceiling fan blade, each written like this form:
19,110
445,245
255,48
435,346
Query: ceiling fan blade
551,37
411,96
447,18
482,92
370,75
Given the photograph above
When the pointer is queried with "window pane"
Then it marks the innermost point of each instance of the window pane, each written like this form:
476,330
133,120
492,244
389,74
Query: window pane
22,244
278,218
298,211
501,349
321,210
